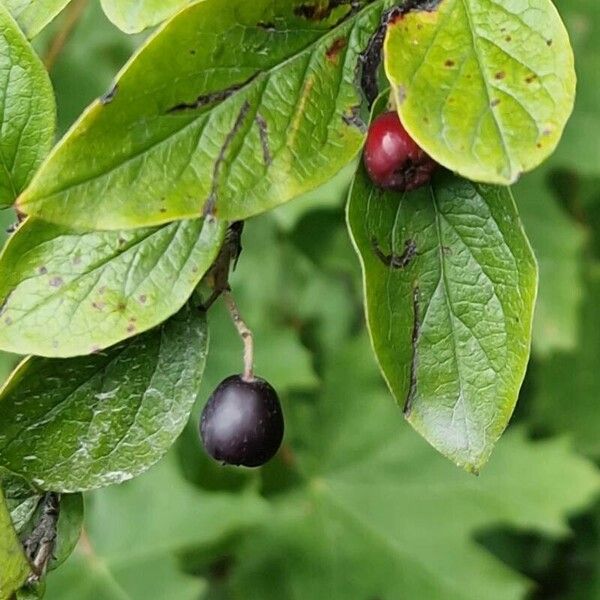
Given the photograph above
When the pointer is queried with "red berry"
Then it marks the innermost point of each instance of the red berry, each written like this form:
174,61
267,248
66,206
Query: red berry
392,158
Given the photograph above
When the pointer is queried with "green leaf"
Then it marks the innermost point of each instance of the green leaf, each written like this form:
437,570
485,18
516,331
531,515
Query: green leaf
27,109
131,553
21,498
133,16
567,386
580,146
485,87
262,105
64,292
34,15
450,283
15,568
69,527
380,505
557,243
104,418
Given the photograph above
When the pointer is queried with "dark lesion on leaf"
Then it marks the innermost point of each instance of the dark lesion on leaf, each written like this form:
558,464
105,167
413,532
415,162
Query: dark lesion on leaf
353,118
416,332
110,95
318,11
40,543
333,52
212,97
393,260
263,132
211,201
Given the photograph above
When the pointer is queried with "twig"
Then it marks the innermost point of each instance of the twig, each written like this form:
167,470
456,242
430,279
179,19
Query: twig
73,13
245,334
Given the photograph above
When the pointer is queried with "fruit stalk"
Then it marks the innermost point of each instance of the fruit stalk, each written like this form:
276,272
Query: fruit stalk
244,332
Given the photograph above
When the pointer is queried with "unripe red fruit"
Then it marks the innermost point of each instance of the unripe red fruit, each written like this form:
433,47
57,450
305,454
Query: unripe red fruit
392,158
242,422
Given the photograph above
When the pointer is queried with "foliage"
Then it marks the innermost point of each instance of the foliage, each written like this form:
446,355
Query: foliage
225,111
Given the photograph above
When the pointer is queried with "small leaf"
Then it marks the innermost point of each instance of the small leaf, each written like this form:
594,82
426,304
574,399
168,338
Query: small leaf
450,283
27,109
104,418
133,16
14,566
21,498
263,104
34,15
64,293
484,86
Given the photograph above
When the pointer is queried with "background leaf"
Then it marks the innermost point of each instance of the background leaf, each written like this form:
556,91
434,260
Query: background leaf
220,137
34,15
27,108
104,418
450,308
558,243
133,16
581,146
484,87
15,568
380,515
65,292
140,527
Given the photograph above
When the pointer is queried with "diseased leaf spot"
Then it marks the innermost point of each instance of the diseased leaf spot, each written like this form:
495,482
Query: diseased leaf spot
333,52
500,75
263,132
143,299
130,328
56,282
508,38
495,102
549,42
110,95
121,306
42,270
353,118
396,261
267,26
212,97
98,305
449,63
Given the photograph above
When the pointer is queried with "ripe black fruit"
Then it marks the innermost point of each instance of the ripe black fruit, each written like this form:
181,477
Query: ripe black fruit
242,422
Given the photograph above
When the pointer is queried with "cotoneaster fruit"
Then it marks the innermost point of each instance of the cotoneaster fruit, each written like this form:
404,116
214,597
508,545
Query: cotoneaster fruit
392,158
242,422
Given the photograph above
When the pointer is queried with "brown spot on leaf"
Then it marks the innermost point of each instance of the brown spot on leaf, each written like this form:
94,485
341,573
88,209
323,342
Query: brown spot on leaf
548,42
56,281
495,102
130,328
500,75
508,38
143,299
449,63
333,52
98,305
121,306
42,270
531,78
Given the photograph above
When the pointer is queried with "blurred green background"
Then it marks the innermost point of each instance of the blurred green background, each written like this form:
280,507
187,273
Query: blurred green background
357,505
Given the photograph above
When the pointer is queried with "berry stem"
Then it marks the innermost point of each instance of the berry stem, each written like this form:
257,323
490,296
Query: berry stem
244,332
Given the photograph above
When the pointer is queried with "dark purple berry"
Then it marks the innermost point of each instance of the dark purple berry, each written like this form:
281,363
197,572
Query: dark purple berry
242,422
392,158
